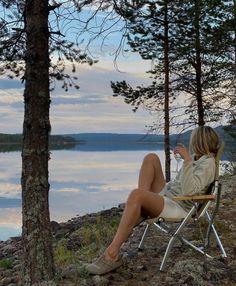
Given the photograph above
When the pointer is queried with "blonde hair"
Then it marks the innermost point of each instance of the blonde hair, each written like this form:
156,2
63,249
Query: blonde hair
204,141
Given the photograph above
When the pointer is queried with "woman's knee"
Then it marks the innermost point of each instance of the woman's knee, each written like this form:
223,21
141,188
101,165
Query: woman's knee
135,196
152,157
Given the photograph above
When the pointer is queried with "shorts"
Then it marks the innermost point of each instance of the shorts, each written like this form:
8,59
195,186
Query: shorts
172,209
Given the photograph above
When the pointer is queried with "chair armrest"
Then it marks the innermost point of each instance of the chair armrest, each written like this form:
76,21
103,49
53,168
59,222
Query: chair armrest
194,198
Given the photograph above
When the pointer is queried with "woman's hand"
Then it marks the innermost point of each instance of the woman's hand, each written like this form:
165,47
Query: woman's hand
183,152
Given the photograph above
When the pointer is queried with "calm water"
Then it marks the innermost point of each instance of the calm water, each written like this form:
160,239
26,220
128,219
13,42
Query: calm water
81,182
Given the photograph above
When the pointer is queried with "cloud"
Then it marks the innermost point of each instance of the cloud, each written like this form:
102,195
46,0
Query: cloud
79,99
92,108
10,190
10,216
11,96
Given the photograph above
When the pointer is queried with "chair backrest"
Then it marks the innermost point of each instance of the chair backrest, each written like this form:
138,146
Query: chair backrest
217,159
214,188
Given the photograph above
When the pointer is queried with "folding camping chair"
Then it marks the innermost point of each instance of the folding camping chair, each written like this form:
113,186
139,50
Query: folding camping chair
201,204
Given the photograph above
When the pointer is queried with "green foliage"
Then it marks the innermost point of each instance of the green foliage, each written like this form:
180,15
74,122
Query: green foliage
13,142
201,57
95,237
62,255
6,263
63,50
231,129
10,138
230,167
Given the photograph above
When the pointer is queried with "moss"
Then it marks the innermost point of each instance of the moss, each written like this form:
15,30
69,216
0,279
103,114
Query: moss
6,263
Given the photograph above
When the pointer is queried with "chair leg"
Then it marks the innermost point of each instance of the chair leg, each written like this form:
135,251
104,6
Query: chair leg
140,246
160,227
168,249
174,236
195,247
219,243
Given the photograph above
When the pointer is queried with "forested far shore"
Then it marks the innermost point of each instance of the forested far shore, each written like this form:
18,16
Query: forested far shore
53,139
227,133
13,142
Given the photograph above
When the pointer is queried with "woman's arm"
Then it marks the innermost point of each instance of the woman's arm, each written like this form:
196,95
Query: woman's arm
183,152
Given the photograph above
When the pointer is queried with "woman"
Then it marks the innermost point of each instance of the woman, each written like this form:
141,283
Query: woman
153,197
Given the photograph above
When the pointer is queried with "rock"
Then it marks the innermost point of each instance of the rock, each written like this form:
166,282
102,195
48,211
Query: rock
141,268
91,220
18,253
5,281
16,279
74,242
17,267
100,280
55,226
70,272
184,267
9,248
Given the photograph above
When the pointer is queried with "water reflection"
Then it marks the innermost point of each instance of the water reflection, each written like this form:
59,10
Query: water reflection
91,181
81,182
10,222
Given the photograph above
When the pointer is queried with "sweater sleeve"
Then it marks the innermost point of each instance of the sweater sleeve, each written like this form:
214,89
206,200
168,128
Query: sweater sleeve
196,177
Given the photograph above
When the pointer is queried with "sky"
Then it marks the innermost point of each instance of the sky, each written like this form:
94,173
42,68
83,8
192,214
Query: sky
92,108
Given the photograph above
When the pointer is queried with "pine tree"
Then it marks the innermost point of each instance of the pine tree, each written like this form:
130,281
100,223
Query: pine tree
27,41
200,46
148,25
36,233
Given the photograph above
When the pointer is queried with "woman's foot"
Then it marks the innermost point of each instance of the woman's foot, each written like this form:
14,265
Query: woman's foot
103,265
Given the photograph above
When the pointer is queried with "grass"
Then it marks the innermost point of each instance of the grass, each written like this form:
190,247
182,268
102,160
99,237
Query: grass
62,255
199,230
94,237
6,263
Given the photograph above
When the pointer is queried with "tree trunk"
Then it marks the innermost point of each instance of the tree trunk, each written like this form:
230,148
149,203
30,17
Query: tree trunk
166,105
38,263
200,108
234,9
233,101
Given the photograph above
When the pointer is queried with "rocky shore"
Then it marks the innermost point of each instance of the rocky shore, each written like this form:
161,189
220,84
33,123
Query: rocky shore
82,238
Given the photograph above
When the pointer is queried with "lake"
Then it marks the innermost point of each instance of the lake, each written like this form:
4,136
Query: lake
81,182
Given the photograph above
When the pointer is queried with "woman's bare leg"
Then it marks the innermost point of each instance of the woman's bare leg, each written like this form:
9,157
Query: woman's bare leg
150,202
145,198
151,176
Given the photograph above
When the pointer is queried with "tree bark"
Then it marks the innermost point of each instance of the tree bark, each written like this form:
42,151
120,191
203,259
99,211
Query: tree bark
166,105
198,66
38,263
234,13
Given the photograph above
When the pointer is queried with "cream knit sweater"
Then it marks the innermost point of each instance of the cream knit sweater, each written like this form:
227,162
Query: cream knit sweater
193,178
